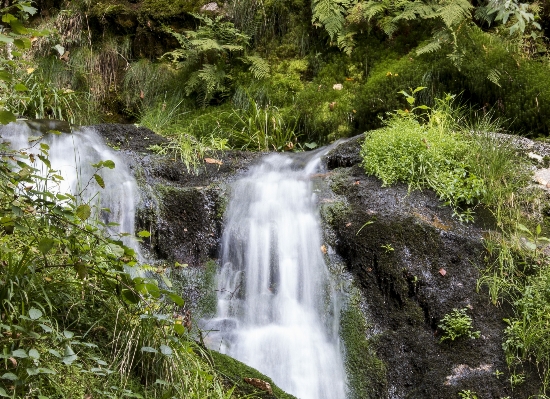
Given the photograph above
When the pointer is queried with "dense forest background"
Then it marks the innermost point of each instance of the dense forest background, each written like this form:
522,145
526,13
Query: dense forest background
211,75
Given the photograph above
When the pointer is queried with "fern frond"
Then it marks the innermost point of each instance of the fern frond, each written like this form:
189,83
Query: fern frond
494,76
205,44
429,48
232,47
414,10
371,9
330,14
455,11
346,42
259,67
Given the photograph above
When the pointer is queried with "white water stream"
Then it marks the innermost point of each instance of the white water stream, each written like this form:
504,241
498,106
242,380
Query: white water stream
277,310
73,154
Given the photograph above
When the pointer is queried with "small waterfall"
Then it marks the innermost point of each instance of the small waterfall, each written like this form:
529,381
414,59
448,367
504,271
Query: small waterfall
73,154
277,310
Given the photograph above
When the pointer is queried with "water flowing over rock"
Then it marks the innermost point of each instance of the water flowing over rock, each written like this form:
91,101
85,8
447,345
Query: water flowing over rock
72,152
277,310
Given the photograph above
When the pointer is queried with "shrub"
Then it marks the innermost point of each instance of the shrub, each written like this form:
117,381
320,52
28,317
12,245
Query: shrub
425,155
457,324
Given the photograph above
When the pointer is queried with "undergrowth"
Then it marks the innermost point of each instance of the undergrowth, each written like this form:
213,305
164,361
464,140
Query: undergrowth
79,319
470,166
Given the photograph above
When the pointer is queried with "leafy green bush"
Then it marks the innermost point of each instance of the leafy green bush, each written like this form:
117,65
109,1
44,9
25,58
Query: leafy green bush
425,155
74,321
457,324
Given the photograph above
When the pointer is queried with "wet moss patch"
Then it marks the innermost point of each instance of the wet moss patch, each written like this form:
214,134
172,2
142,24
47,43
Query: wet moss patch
234,373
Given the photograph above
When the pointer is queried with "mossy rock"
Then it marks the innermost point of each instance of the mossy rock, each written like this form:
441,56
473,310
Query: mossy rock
234,372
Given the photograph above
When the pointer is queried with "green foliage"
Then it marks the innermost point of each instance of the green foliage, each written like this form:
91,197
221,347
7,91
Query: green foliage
457,324
206,58
73,315
432,155
467,394
330,14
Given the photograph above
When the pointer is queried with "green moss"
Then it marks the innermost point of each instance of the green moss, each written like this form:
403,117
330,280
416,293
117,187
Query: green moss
234,371
366,372
332,212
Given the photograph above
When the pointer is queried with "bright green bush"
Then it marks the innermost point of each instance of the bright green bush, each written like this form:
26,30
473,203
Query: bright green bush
457,324
424,155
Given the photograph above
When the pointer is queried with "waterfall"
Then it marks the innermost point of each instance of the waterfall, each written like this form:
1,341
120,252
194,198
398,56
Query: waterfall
277,310
72,154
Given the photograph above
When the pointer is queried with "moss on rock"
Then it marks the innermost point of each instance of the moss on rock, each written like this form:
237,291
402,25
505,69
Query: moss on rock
366,372
234,373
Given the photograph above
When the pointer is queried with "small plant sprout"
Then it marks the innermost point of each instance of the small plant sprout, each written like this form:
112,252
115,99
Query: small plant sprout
467,394
388,248
457,324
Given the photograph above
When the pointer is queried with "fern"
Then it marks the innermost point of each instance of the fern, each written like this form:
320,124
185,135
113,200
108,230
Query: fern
494,76
259,67
454,12
330,14
429,48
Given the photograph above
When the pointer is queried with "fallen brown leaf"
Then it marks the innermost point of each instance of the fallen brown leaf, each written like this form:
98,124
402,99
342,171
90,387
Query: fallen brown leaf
323,249
263,385
442,271
348,224
214,161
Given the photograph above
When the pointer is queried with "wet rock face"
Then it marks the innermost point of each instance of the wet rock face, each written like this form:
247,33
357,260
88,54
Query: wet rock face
415,264
183,210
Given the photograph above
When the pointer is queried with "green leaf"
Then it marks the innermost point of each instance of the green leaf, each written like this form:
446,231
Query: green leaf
46,328
524,229
109,164
7,18
35,313
22,43
99,180
20,353
45,160
166,281
28,9
166,350
59,48
144,234
68,334
55,353
117,250
45,245
6,39
7,117
17,27
83,212
5,76
3,393
178,300
34,354
539,229
9,376
130,296
149,349
179,328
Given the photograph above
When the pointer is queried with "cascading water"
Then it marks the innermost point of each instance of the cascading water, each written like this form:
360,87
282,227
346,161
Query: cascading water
73,154
277,310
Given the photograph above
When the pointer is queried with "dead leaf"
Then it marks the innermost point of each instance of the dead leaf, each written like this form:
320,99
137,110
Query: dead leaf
356,183
442,271
141,94
323,249
263,385
13,361
214,161
348,224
